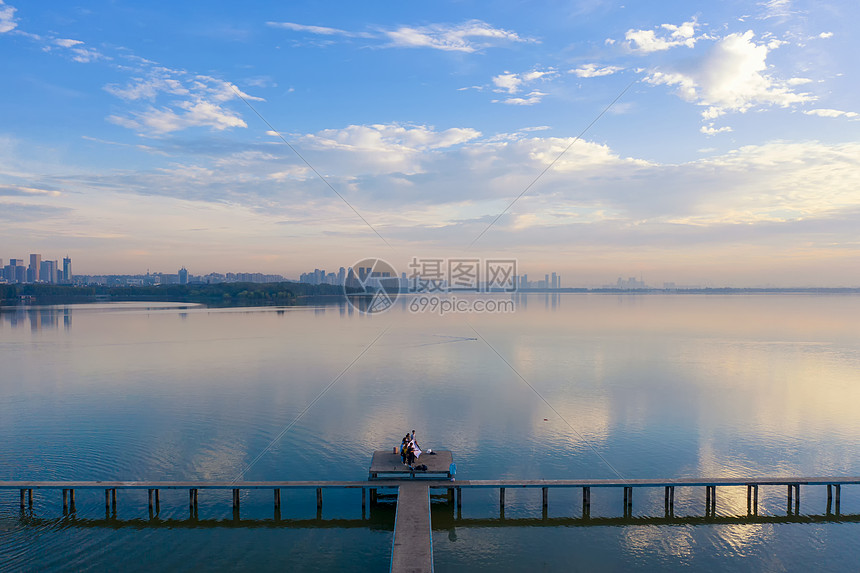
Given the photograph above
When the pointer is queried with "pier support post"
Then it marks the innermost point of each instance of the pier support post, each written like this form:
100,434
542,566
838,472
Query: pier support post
363,500
149,496
30,498
502,502
235,499
65,501
277,499
319,499
451,495
586,502
829,498
545,495
22,499
113,501
72,507
157,502
838,492
107,501
459,500
628,501
797,499
788,507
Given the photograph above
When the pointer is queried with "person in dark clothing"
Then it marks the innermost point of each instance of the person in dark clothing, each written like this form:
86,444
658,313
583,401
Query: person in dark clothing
410,454
403,446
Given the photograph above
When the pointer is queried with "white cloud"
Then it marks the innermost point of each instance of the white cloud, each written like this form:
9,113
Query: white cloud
711,130
199,102
470,36
825,35
67,43
731,77
513,83
595,71
76,50
321,30
7,18
776,9
647,41
530,98
824,112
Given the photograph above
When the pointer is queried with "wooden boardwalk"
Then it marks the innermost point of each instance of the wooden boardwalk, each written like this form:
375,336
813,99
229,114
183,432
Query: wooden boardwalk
412,550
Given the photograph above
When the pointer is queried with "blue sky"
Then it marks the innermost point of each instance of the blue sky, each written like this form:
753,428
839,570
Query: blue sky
731,158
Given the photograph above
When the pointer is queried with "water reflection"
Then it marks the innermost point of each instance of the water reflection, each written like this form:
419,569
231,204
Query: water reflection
37,318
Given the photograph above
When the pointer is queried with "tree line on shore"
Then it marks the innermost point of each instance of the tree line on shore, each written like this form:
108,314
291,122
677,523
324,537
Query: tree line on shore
220,293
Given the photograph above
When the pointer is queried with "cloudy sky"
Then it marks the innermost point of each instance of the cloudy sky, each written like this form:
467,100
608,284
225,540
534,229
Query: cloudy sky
720,140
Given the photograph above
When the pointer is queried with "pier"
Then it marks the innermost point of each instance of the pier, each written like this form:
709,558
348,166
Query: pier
412,548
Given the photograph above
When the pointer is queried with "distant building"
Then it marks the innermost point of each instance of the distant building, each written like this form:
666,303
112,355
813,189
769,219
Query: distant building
183,276
48,272
67,270
35,267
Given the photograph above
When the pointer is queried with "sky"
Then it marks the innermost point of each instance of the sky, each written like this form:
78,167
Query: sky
702,143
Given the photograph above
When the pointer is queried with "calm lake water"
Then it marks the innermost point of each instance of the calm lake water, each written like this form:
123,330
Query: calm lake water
649,386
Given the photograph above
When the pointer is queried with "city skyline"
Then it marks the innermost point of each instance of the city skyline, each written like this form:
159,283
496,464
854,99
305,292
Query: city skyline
719,140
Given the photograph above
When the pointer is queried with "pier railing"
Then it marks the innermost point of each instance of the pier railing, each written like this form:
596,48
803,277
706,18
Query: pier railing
370,489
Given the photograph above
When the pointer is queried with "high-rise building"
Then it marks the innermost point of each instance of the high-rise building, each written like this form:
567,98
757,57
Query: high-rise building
67,269
48,272
35,267
183,276
554,280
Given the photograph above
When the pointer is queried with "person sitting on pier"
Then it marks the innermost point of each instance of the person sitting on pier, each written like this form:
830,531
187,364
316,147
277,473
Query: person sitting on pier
410,454
403,445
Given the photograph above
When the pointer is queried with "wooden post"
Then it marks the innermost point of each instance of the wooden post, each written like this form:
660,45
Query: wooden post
666,501
707,500
788,509
713,500
157,502
586,501
235,499
363,499
149,495
451,495
502,500
545,496
22,500
319,499
191,500
65,501
278,499
628,501
113,500
459,498
671,500
838,495
107,501
755,499
829,497
72,507
797,499
30,498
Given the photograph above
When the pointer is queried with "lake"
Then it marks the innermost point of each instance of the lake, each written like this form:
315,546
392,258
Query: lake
567,386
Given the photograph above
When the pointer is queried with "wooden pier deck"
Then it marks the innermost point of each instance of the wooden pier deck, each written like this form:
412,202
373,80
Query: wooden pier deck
412,550
412,546
386,464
